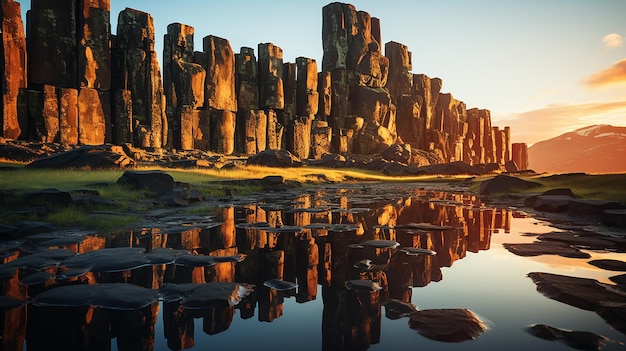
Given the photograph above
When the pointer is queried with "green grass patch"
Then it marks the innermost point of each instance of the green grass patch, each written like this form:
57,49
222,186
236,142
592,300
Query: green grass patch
73,216
587,186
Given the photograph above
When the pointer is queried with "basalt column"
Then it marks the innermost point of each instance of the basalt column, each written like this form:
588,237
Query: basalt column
69,44
271,93
251,129
220,100
489,138
519,155
359,72
137,70
184,84
449,127
13,65
307,100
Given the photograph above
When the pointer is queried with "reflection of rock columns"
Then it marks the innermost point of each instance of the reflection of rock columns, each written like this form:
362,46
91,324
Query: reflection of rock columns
134,330
350,320
270,300
307,263
217,319
13,321
177,326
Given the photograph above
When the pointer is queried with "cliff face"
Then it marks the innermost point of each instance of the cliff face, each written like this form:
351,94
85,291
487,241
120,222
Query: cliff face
593,149
88,86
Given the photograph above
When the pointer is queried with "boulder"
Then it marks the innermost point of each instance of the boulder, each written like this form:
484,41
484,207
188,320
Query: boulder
505,184
395,168
559,192
449,325
552,203
156,181
398,153
274,158
86,157
329,161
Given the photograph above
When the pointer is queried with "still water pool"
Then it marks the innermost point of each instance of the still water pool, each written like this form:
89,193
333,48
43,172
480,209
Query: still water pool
323,240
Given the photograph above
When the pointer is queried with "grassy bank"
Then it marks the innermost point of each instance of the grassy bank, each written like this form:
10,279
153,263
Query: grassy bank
587,186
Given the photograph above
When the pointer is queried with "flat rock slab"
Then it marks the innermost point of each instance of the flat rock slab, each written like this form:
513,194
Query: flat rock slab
590,241
581,340
609,265
608,301
449,325
546,248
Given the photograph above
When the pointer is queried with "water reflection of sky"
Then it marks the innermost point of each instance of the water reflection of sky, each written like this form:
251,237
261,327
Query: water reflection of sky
472,270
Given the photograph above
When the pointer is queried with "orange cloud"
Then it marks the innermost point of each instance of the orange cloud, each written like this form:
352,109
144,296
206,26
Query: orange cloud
615,74
553,120
613,40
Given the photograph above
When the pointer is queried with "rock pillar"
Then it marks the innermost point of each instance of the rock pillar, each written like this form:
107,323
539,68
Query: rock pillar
13,66
519,155
184,84
137,70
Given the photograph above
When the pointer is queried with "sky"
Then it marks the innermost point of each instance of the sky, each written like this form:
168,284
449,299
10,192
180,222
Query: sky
542,67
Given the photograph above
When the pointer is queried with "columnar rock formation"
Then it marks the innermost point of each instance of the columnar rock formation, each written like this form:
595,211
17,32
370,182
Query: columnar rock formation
519,155
12,61
137,70
87,86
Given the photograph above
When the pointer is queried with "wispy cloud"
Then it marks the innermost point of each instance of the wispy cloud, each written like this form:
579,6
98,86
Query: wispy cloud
614,75
553,120
612,41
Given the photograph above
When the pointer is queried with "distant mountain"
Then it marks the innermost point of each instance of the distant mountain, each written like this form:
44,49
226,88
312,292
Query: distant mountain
593,149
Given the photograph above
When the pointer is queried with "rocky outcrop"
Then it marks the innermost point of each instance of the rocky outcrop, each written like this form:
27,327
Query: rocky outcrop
87,86
13,66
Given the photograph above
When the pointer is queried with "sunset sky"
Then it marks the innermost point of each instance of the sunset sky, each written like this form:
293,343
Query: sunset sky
543,67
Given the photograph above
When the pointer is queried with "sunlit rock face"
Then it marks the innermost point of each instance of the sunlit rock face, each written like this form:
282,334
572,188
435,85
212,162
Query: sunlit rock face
13,66
87,86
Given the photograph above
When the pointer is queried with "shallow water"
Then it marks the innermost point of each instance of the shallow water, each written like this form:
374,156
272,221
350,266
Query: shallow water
471,270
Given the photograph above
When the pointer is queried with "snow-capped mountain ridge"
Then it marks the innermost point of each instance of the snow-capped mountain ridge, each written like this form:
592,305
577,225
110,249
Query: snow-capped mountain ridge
592,149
